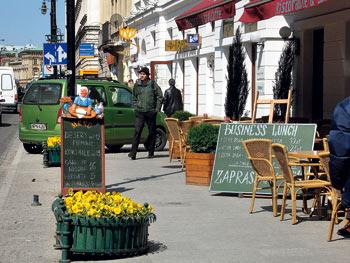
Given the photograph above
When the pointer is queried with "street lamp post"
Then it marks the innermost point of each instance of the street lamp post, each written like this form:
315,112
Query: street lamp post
53,32
71,48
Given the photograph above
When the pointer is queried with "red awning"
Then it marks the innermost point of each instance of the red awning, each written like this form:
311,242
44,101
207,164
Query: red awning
205,12
263,9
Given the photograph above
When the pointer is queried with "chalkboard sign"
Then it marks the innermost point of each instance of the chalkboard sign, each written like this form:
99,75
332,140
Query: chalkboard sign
232,171
82,155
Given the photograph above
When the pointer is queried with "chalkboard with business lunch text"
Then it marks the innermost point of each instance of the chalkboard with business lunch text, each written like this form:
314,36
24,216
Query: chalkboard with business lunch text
232,171
82,155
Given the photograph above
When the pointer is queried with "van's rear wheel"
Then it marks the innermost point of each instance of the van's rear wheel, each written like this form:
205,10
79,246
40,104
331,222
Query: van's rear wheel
33,148
115,148
161,140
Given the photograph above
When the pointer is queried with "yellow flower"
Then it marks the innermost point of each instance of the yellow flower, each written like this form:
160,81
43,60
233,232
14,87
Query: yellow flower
71,192
117,210
91,212
87,205
130,210
78,195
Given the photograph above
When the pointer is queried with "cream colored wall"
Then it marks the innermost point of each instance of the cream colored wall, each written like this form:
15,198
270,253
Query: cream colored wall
336,67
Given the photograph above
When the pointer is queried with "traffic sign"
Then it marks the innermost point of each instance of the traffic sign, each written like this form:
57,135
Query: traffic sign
55,53
86,50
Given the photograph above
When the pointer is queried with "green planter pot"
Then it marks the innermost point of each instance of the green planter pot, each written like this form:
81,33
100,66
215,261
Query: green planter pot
51,155
54,155
100,236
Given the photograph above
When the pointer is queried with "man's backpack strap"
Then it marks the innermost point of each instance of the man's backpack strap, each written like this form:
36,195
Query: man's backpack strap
154,93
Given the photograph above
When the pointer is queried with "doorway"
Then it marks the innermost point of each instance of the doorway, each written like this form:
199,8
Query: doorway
317,76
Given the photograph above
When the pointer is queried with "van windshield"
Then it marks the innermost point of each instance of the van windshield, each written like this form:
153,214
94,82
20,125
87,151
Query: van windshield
43,94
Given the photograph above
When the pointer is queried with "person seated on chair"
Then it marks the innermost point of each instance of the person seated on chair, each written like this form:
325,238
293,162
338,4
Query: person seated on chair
339,148
83,100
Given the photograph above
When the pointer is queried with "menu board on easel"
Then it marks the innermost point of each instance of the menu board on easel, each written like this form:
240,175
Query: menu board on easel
82,155
232,171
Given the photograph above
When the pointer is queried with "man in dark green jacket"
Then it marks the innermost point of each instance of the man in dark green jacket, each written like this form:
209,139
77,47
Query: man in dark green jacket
147,98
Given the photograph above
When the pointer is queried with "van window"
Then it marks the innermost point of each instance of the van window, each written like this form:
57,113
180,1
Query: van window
6,82
121,97
43,93
97,94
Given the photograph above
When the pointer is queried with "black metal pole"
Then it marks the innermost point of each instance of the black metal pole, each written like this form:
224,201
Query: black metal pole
70,48
53,36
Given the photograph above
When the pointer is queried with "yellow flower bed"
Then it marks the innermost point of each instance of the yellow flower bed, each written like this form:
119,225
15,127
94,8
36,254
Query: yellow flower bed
54,141
94,204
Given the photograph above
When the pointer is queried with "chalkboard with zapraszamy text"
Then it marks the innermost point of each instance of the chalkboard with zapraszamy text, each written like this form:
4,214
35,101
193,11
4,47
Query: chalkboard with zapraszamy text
83,156
232,171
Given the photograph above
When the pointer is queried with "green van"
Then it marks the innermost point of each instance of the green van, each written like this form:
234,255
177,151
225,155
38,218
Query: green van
40,113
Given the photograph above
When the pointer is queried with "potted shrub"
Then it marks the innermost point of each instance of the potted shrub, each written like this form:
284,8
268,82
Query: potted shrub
199,161
182,115
93,223
52,151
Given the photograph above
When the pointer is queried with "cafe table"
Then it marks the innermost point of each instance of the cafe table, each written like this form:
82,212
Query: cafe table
305,154
312,159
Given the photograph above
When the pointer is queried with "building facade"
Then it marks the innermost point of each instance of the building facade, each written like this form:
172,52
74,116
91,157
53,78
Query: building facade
98,22
201,72
27,62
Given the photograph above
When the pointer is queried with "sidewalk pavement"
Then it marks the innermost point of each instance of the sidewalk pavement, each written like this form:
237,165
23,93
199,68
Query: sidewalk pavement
193,225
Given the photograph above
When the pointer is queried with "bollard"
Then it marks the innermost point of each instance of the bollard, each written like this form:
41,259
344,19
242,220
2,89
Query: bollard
36,200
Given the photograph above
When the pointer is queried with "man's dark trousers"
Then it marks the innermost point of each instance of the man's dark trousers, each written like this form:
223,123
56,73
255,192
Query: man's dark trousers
150,118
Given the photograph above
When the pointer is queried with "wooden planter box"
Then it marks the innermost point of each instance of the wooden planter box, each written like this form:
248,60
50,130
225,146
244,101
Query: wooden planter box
199,167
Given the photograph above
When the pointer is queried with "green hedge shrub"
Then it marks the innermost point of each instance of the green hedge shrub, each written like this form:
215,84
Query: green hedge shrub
203,138
182,115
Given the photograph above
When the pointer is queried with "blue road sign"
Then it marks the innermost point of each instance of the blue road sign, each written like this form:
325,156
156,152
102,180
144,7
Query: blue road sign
55,54
86,50
193,39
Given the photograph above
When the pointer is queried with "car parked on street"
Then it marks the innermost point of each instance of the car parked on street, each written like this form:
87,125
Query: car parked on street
8,88
40,113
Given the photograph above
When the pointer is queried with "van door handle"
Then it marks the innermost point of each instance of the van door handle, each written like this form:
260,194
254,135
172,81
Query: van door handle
119,112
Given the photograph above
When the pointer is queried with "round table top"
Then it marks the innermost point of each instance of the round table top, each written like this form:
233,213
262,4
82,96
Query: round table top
305,154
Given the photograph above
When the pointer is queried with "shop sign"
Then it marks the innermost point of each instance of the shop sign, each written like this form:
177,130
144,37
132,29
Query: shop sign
128,33
110,59
180,45
193,39
88,71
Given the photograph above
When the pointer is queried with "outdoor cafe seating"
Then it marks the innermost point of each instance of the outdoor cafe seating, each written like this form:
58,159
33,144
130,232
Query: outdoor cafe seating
294,186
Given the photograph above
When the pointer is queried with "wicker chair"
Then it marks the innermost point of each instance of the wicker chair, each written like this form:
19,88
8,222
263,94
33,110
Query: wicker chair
335,196
260,157
325,144
186,126
177,138
291,184
214,121
196,118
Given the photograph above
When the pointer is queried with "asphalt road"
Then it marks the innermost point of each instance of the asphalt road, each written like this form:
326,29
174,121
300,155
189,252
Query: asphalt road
8,135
